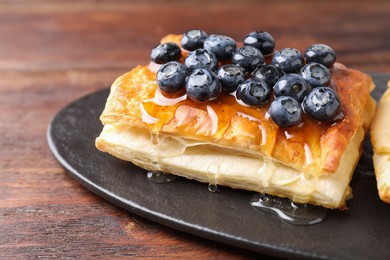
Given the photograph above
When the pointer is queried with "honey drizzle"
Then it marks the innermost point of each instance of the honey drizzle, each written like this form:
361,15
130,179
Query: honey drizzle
161,100
263,134
220,119
146,117
308,154
214,119
226,107
251,118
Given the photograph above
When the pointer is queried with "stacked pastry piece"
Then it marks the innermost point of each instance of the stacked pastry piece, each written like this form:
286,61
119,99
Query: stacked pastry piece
380,138
227,140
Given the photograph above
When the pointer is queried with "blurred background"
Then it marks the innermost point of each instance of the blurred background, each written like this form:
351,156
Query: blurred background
91,34
55,51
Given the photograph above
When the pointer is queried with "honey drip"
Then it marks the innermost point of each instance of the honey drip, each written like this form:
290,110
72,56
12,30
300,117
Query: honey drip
212,187
160,177
289,211
154,138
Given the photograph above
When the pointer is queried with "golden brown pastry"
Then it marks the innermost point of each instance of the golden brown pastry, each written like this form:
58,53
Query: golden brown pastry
225,143
380,138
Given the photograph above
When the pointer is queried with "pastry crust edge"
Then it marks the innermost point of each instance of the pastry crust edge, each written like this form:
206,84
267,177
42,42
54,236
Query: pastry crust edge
380,139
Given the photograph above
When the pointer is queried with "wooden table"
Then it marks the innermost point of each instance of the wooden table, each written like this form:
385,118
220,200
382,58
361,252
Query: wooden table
53,52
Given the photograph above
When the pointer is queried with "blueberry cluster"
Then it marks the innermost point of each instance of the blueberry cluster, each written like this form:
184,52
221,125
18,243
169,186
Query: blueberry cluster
292,82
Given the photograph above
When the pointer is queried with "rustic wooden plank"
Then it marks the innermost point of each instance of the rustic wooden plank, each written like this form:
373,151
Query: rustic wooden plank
97,229
28,103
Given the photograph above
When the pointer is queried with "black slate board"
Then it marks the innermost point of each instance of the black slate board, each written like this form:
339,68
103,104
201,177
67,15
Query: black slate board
362,232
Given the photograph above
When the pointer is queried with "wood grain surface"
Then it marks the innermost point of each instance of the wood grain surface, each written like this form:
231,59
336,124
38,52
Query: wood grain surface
53,52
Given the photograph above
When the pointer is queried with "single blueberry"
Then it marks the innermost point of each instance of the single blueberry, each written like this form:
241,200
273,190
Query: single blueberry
270,73
193,39
322,104
165,52
320,53
290,60
254,92
201,58
222,46
202,85
248,57
261,40
316,74
292,85
230,76
285,111
171,77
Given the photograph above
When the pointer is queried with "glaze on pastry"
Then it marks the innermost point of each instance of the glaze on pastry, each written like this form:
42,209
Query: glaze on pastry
224,142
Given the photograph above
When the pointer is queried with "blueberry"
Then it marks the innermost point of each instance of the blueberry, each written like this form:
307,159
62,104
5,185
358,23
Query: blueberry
193,39
202,85
322,104
248,57
292,85
230,76
316,74
261,40
171,77
165,52
285,111
254,92
320,53
201,59
270,73
288,59
222,46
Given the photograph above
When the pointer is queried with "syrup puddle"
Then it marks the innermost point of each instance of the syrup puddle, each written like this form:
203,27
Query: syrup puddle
160,177
289,211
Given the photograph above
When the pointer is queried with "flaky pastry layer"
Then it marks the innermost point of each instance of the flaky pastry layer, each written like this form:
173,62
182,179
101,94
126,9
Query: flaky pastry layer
208,163
380,139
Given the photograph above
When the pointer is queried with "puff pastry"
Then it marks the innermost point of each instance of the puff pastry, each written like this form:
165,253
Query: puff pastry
380,139
228,144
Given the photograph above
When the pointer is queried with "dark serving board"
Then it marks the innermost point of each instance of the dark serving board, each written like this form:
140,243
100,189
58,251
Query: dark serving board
362,232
